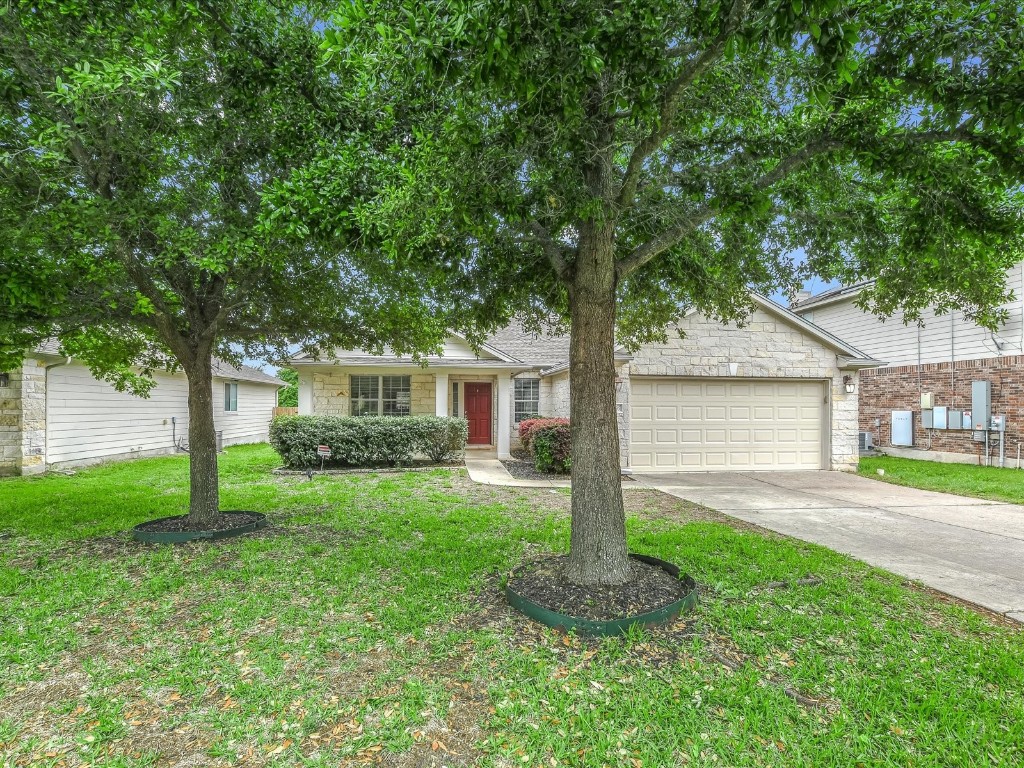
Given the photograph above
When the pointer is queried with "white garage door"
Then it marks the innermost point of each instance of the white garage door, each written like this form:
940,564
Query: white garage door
734,424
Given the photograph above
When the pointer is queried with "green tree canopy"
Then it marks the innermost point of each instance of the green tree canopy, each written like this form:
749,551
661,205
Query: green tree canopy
136,141
616,162
288,397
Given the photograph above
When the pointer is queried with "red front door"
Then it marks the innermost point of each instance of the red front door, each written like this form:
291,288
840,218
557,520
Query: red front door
478,413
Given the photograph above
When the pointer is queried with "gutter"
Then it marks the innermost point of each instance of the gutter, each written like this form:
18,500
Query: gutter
46,406
857,363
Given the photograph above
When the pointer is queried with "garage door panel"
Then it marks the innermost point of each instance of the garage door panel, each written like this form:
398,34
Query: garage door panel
715,424
641,388
666,459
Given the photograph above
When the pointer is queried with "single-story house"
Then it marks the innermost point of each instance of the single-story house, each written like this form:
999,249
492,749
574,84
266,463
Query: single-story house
774,393
55,414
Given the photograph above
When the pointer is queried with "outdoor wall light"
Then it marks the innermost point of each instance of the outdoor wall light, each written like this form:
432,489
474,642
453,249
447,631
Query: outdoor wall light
849,385
5,379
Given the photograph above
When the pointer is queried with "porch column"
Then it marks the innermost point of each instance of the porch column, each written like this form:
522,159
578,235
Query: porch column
440,394
504,416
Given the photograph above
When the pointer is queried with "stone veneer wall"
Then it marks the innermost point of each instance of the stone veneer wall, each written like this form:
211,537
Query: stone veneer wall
10,425
332,392
23,420
764,347
899,388
559,404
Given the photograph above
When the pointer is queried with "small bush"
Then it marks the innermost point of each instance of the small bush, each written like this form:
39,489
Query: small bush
527,427
366,441
442,438
550,446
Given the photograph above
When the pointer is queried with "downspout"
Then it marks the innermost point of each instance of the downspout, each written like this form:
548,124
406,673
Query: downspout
46,407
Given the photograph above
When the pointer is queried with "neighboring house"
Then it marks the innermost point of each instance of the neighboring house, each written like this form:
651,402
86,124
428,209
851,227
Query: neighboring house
54,413
772,394
941,356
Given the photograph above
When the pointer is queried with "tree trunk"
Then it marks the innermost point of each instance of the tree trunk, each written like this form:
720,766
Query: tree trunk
204,495
597,551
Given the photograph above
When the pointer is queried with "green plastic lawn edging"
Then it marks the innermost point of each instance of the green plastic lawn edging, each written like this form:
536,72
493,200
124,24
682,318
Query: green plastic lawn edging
565,623
139,532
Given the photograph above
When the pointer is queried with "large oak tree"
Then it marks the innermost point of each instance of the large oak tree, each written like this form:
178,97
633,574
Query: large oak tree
614,162
136,142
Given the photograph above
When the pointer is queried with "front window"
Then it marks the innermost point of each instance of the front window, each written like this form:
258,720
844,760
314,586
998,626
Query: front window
230,397
527,398
381,395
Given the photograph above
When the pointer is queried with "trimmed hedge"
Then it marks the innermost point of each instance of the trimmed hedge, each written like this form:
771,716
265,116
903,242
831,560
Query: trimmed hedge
367,441
550,445
527,427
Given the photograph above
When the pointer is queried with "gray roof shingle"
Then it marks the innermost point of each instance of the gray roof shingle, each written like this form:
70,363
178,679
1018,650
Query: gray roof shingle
542,349
221,368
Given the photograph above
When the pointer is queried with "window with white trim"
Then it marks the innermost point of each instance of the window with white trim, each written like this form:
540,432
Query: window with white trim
527,398
455,399
380,395
230,397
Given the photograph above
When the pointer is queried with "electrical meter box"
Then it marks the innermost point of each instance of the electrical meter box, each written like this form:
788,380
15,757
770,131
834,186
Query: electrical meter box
940,417
927,422
998,423
902,428
956,419
981,404
927,400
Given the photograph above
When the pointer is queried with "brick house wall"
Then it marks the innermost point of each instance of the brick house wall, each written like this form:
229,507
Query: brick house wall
899,388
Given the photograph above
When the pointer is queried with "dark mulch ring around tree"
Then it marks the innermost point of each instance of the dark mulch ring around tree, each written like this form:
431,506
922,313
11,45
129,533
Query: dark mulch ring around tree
222,522
650,589
180,528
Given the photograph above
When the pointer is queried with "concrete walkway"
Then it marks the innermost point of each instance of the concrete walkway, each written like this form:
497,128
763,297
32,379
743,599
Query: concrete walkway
969,548
493,472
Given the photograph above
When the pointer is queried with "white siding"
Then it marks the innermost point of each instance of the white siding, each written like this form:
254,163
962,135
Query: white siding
941,337
251,422
88,420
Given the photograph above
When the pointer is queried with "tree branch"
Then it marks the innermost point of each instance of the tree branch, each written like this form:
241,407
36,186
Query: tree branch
688,73
552,249
642,254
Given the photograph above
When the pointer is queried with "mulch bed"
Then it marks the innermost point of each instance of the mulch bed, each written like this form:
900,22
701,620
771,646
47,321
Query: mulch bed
219,523
413,466
544,583
525,470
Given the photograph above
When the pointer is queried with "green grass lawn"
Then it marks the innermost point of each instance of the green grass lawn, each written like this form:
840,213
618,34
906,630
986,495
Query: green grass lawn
366,626
965,479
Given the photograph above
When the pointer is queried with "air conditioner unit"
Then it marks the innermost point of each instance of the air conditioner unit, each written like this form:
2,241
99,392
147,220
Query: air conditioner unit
865,441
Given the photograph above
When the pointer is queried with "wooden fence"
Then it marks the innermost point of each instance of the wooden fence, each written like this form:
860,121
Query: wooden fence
279,411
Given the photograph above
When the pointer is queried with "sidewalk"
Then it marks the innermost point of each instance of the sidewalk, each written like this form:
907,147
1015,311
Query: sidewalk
493,472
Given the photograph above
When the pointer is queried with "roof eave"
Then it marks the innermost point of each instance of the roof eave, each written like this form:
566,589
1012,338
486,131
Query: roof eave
809,328
830,298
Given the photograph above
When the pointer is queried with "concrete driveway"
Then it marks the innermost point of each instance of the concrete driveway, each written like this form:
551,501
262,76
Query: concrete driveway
970,548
